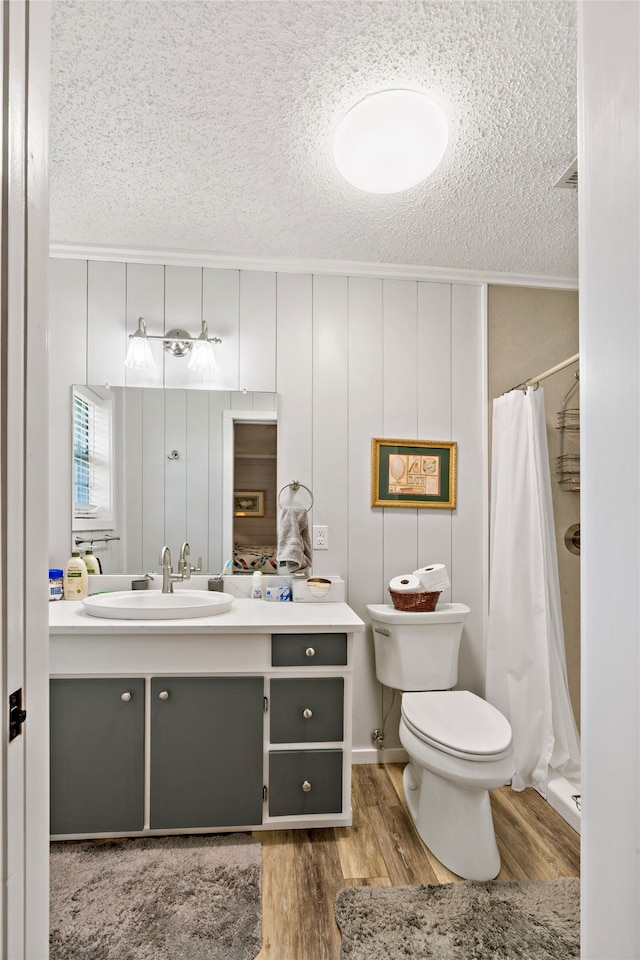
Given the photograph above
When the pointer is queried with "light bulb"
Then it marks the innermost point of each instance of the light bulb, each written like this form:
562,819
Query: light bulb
139,356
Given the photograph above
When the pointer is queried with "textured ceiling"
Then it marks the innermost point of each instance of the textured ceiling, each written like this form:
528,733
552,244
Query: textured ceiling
207,126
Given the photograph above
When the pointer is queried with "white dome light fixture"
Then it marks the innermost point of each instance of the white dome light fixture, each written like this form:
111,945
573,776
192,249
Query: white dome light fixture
390,141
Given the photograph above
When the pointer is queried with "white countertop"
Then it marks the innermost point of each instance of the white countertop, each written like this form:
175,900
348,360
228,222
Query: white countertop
245,616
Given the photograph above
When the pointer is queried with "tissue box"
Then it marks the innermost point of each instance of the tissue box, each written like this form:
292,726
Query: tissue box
301,593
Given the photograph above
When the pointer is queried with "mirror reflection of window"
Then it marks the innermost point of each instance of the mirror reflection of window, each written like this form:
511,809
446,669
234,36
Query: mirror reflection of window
92,458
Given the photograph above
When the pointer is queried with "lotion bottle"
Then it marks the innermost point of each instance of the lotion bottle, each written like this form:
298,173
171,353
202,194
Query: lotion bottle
91,562
256,585
76,578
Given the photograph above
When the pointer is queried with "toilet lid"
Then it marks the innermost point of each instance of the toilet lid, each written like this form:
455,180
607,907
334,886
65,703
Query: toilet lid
457,722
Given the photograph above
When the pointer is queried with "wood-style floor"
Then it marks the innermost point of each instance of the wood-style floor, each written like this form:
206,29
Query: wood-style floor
303,870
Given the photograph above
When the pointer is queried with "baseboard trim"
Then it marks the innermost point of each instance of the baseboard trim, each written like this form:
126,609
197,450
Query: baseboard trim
371,755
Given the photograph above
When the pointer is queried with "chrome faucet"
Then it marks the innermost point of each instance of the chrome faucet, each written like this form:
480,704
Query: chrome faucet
185,567
168,576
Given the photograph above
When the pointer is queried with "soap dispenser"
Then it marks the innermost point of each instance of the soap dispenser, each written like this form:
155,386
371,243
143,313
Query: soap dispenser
76,578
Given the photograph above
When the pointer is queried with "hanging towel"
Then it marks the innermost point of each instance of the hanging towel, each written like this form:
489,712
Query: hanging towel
294,544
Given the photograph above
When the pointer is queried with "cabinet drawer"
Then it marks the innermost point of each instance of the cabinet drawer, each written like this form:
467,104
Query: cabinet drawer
305,782
306,710
308,649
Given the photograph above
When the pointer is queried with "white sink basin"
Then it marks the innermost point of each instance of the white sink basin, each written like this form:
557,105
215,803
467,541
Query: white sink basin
154,605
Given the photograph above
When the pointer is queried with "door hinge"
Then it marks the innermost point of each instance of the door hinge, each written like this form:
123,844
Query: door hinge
264,794
17,715
265,704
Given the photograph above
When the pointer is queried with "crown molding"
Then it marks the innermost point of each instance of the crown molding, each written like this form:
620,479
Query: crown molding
352,268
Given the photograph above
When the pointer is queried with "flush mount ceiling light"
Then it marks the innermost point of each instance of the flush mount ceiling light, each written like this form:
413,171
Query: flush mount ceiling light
390,141
177,342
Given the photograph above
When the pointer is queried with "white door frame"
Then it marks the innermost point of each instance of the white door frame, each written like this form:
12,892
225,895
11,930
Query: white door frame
24,300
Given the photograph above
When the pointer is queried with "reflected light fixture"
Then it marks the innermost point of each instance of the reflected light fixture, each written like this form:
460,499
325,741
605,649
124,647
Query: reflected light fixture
177,342
390,141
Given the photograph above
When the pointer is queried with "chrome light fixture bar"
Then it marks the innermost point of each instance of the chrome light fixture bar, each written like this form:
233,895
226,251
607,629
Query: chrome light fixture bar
177,342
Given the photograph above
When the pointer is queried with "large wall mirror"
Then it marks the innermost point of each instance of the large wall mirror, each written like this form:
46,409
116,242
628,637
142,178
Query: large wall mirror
172,475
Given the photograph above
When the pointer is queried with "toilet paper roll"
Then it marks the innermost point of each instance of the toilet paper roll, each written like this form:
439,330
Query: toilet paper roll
433,578
405,583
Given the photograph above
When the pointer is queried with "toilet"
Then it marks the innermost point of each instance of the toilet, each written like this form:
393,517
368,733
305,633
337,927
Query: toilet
459,745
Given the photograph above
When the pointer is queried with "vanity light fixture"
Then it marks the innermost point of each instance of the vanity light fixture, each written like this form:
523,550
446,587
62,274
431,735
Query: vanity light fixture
139,356
390,141
177,342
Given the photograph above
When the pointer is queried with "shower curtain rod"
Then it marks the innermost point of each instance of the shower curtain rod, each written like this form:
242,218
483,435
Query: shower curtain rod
547,373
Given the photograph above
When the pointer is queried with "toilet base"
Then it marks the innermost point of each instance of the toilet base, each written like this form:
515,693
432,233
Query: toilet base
455,822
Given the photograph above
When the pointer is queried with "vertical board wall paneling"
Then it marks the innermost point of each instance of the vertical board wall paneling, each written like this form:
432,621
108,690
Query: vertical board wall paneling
219,401
197,475
365,530
257,330
400,414
131,517
152,479
145,298
106,322
175,471
330,421
295,381
221,311
434,411
67,365
182,310
469,537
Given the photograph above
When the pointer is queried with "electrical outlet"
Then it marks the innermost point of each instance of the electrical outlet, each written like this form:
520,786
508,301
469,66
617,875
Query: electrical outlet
320,537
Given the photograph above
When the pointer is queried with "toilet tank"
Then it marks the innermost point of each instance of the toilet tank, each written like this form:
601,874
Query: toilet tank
417,651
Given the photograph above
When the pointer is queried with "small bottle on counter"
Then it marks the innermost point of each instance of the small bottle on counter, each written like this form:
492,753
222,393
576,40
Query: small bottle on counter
55,583
76,578
256,585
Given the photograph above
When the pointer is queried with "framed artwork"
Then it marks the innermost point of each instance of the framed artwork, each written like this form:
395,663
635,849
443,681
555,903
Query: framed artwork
248,503
413,473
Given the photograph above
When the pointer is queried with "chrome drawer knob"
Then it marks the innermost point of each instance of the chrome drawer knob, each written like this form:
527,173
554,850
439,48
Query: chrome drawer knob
306,786
125,696
163,695
310,652
307,714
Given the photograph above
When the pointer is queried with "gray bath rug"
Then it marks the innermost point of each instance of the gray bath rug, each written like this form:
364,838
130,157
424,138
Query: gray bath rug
156,898
510,920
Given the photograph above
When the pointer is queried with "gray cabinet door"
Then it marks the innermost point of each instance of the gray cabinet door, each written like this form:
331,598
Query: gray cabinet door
97,755
206,751
304,710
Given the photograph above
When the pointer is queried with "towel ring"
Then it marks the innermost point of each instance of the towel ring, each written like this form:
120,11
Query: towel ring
295,485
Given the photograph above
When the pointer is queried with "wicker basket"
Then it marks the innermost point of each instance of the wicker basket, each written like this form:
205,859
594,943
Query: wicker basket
414,602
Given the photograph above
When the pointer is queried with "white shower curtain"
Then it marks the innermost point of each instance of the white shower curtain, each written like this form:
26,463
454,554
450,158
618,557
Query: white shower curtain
526,675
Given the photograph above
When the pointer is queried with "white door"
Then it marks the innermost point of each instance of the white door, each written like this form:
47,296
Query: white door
23,477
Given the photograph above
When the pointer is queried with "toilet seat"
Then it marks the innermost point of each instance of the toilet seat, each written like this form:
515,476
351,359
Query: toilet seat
459,723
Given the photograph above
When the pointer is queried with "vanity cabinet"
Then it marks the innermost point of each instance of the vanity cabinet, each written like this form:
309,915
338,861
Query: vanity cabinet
162,728
97,755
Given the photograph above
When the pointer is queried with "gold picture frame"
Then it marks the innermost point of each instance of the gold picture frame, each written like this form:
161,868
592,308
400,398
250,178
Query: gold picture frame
413,473
248,503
